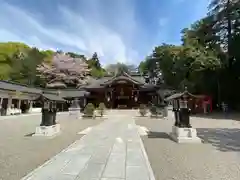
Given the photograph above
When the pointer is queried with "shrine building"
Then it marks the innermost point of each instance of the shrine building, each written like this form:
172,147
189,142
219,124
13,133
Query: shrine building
122,90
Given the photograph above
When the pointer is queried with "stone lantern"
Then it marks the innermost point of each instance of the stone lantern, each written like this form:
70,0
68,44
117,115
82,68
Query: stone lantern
182,131
48,126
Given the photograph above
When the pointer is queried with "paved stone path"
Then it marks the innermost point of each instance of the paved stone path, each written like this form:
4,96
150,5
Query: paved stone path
113,150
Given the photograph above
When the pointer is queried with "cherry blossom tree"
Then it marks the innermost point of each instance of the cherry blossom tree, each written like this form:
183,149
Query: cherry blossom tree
64,71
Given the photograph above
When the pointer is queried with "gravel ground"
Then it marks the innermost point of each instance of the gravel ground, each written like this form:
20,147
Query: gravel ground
20,153
217,159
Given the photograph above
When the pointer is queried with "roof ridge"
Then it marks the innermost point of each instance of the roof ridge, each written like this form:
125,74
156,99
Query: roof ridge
20,84
12,82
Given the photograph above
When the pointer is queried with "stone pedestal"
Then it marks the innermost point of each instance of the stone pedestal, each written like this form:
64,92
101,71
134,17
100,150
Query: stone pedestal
184,135
47,130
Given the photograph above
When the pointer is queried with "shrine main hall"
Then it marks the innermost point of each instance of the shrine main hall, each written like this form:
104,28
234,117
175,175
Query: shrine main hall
122,91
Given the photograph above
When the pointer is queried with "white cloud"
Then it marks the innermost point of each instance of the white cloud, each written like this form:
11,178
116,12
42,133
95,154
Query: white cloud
74,32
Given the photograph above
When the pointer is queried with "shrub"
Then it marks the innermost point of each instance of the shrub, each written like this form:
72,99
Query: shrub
101,109
89,110
142,110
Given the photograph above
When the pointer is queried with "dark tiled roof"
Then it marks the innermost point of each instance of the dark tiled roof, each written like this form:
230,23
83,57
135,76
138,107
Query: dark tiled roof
165,93
121,78
73,93
96,83
67,93
147,86
6,85
139,79
53,97
179,95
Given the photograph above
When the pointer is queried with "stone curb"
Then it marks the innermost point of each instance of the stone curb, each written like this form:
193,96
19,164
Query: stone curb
150,171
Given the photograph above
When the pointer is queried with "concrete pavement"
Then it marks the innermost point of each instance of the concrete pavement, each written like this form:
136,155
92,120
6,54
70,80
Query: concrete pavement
113,150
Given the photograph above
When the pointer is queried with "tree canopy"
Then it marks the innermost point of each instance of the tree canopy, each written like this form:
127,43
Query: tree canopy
19,62
208,61
64,69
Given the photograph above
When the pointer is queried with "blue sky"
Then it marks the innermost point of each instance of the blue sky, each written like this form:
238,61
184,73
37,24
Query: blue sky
118,30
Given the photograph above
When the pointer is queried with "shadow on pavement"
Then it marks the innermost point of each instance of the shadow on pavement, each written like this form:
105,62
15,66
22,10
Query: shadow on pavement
29,134
161,135
219,115
223,139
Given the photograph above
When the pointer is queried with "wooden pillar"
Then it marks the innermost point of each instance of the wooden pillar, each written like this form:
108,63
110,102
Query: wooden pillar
1,110
1,101
9,106
19,104
109,97
30,106
84,101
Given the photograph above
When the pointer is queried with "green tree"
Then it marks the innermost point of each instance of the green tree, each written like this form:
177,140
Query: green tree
94,61
7,54
24,66
96,69
226,21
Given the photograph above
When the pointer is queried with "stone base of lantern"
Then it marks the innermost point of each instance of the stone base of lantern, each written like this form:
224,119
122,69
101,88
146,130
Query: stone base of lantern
47,130
184,135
